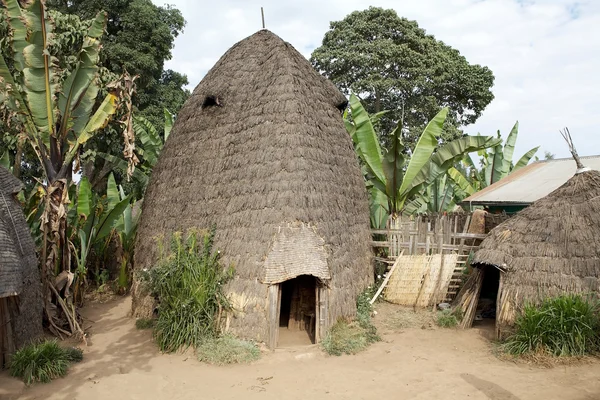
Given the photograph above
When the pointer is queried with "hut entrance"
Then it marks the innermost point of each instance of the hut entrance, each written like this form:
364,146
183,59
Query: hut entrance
485,312
297,314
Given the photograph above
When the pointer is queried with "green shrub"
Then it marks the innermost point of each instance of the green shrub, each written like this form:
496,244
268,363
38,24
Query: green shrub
227,350
188,284
351,337
562,326
42,362
448,318
144,323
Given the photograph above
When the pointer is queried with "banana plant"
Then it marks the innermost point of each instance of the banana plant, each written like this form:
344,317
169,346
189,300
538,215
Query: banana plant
393,179
496,163
97,220
151,145
57,118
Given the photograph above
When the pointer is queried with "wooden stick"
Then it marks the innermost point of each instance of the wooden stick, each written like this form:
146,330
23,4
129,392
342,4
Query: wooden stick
262,13
387,278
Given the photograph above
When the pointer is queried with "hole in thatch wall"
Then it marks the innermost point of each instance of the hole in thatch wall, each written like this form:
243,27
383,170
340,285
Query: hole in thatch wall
342,106
297,319
210,101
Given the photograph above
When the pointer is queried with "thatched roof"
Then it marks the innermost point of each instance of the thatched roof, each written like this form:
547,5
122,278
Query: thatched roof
19,275
260,149
550,248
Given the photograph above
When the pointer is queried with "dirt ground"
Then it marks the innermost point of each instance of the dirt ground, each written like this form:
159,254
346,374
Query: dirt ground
414,361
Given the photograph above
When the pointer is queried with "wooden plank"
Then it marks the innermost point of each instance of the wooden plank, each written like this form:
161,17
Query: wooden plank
273,316
387,279
317,326
385,260
379,244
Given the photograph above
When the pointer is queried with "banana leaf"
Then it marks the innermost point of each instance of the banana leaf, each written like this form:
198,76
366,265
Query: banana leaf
19,36
112,192
85,205
523,161
111,219
509,149
427,143
366,140
151,141
169,120
79,91
38,74
393,165
460,180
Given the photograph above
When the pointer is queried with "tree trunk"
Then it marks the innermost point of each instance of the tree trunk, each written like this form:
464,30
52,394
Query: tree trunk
56,262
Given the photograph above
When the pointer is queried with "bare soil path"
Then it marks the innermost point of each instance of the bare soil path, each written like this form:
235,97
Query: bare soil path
411,363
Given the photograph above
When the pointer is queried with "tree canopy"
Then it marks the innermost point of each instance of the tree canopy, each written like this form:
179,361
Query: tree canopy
139,38
392,64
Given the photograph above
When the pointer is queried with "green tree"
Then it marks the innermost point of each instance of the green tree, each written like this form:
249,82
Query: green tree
394,65
139,38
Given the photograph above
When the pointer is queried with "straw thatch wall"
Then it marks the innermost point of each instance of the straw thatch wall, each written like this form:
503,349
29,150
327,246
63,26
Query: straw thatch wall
548,249
260,149
19,274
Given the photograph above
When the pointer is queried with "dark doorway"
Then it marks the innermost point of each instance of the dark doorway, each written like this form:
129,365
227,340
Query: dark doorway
485,315
297,313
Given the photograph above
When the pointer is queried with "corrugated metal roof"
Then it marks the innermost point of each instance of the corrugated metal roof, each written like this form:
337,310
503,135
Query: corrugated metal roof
532,182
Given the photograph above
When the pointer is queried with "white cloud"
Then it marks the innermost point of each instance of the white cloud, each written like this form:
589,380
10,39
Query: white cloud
545,54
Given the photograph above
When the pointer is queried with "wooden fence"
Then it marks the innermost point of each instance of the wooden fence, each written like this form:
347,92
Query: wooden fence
429,235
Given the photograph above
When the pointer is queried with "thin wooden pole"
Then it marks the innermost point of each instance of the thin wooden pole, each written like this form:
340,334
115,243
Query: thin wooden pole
262,14
387,278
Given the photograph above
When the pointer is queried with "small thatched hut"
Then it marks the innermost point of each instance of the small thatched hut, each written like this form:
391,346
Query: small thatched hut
548,249
20,287
261,151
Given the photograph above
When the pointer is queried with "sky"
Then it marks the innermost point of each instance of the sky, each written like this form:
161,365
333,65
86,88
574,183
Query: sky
545,54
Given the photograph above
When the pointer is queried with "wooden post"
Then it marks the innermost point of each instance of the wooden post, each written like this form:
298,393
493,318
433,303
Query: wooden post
323,320
274,312
262,14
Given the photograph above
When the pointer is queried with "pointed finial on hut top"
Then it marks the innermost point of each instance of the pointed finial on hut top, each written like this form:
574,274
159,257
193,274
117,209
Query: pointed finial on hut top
567,136
262,14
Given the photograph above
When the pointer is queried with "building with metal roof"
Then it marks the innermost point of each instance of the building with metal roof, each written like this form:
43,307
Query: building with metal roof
530,183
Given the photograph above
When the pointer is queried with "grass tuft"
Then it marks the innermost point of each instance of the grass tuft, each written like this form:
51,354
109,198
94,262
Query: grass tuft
42,362
144,323
351,337
448,318
188,284
568,325
227,350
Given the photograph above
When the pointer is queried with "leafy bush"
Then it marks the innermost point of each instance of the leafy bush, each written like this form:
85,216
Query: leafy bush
144,323
188,284
351,337
562,326
42,362
227,350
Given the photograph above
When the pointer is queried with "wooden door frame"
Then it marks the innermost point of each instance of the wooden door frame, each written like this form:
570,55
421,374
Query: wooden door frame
321,312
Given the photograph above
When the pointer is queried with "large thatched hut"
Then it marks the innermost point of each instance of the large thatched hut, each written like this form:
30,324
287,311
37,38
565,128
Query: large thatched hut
548,249
20,287
261,151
